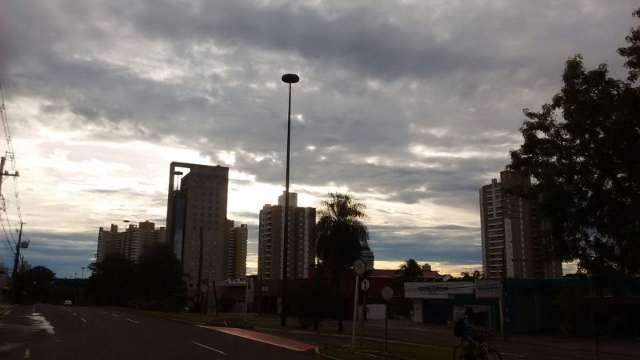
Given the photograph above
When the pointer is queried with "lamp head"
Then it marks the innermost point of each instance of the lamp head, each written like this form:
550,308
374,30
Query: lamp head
290,78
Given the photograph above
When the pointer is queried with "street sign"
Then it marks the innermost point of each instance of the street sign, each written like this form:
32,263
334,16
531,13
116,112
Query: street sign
387,293
364,285
359,267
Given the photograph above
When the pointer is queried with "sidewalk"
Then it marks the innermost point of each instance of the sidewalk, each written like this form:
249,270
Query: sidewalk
402,332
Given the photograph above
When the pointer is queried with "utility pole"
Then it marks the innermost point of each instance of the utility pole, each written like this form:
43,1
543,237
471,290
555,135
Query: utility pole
4,173
15,262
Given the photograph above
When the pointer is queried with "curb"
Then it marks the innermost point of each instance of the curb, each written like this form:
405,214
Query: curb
367,338
267,338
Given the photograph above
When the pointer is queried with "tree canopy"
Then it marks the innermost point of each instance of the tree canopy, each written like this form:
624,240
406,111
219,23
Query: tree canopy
154,282
341,232
410,270
581,150
341,236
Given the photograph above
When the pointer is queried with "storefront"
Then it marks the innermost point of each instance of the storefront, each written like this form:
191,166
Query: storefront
445,302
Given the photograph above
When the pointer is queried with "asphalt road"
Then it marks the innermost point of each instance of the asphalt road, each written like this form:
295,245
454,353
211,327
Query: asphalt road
56,332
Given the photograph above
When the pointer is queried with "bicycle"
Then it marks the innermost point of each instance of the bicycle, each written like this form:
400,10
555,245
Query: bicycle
481,352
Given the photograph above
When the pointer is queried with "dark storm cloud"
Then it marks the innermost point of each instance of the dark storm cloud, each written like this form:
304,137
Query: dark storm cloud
364,39
444,243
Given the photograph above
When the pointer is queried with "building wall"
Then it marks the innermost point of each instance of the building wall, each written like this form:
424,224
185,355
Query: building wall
204,190
129,244
236,251
301,249
241,236
512,238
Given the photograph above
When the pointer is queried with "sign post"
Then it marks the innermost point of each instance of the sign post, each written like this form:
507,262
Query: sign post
387,294
359,267
364,286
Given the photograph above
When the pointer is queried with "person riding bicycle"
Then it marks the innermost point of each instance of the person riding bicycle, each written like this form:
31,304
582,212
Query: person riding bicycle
469,334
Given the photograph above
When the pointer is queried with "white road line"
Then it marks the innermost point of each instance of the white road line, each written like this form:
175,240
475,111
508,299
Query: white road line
83,320
27,353
209,348
133,321
116,315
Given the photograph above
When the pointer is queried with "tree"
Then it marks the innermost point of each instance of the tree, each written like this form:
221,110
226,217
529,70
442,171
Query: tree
410,270
159,273
341,235
113,281
35,284
582,152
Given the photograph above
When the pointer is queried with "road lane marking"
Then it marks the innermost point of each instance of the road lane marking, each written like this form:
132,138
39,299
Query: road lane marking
209,348
133,321
116,315
38,320
83,320
27,353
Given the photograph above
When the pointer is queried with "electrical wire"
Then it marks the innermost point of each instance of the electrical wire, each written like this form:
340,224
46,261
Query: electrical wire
10,155
8,242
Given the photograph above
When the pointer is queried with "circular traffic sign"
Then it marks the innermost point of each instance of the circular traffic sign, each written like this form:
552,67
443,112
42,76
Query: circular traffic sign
359,267
387,293
364,285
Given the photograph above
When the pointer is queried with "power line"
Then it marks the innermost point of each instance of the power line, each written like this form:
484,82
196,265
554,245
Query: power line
6,238
11,155
14,246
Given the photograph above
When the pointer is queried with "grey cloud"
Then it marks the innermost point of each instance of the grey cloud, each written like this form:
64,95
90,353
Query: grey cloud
375,79
445,243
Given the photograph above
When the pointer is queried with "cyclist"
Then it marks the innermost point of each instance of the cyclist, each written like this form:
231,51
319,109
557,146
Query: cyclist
469,334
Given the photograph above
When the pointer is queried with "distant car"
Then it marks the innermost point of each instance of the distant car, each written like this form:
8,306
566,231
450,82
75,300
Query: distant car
67,303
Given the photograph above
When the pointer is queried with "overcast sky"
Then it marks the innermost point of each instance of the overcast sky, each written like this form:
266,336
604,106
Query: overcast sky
409,105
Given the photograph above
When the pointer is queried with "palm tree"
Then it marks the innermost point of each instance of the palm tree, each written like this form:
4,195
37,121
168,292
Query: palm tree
410,270
341,236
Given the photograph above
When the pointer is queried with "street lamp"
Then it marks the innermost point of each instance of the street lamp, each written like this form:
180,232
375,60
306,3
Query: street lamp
289,79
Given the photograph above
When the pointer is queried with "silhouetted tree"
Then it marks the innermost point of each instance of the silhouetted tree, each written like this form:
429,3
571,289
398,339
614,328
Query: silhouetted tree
160,276
582,152
410,270
113,281
35,284
160,272
341,235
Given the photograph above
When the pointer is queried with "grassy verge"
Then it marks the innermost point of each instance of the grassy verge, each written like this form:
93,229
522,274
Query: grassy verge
223,319
370,350
375,350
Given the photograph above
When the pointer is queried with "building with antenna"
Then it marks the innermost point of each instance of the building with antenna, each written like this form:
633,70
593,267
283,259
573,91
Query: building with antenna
208,245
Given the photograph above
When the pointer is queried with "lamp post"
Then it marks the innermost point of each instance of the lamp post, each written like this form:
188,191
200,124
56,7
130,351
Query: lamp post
289,79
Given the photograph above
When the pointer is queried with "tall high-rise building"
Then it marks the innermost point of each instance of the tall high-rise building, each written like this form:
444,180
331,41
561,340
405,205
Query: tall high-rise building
512,241
197,221
130,243
301,248
236,251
